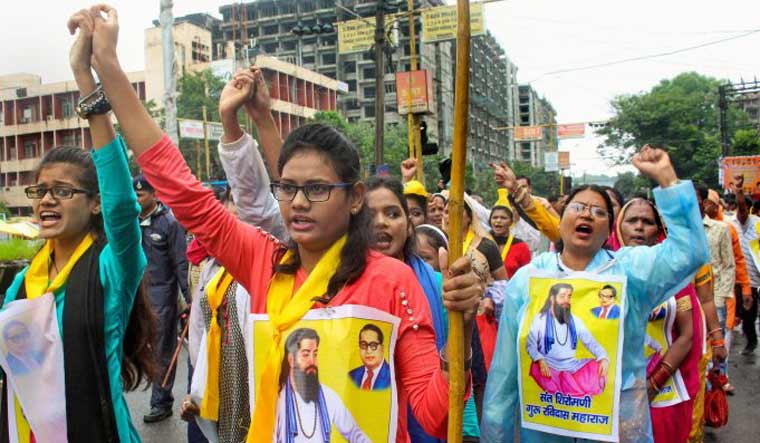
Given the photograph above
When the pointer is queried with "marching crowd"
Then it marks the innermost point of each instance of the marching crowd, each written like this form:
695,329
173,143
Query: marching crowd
317,301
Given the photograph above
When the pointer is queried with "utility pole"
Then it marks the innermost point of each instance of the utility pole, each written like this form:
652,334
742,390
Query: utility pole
379,81
413,121
723,106
166,20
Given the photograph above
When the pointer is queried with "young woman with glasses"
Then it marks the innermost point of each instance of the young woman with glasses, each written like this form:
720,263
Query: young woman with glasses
328,261
91,266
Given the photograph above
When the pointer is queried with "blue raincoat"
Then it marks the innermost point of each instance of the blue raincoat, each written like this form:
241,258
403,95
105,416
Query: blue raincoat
653,275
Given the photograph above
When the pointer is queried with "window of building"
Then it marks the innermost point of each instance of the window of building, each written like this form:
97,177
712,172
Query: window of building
12,153
308,60
308,6
67,107
328,59
289,45
328,41
330,74
369,111
349,67
369,72
270,30
30,149
369,92
351,85
270,48
390,88
288,8
267,10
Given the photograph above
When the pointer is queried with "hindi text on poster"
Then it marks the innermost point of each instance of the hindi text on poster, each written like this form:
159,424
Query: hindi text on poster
441,23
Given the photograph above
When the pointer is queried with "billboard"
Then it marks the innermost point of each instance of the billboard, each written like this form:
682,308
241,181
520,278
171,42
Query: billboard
749,166
551,161
194,129
358,35
441,23
575,130
528,133
564,159
420,88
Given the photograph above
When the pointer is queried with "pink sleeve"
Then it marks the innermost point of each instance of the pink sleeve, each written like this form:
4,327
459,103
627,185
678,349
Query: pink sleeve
419,366
244,250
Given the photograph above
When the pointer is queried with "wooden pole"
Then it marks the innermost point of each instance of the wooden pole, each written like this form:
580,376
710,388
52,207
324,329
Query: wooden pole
456,345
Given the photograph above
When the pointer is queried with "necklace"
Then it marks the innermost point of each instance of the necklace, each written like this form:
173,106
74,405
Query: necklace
556,335
300,423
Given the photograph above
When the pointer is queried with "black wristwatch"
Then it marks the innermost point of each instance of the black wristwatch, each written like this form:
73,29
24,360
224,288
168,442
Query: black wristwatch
94,103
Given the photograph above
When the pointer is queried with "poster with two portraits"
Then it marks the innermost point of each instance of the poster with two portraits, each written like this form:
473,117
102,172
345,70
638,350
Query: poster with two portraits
338,381
570,346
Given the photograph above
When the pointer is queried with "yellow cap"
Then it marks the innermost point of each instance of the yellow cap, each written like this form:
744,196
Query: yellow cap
503,198
414,187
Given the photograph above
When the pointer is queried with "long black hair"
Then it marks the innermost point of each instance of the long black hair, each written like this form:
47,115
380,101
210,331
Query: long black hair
395,186
344,159
138,362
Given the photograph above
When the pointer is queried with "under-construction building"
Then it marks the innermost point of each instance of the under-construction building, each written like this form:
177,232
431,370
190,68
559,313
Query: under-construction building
266,26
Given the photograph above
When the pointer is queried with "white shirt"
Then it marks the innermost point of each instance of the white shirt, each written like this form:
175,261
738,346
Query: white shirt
747,233
561,356
340,417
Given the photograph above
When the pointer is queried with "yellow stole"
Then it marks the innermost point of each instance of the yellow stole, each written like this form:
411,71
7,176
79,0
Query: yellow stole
468,240
215,291
508,245
37,280
37,283
285,309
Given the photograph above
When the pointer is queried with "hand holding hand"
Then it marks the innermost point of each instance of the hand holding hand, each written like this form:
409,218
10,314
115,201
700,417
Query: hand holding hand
504,175
236,93
105,35
408,169
260,104
80,55
655,164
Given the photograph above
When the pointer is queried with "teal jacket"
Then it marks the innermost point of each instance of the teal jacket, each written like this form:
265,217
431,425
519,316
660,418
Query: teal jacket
653,274
122,263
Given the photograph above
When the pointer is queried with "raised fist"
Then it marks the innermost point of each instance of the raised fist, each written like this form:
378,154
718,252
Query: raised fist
408,169
655,164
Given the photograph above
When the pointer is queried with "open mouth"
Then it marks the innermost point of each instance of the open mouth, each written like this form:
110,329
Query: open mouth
584,230
302,223
383,240
637,240
49,218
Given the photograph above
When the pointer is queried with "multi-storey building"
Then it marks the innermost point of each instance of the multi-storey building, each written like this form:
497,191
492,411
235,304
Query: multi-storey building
534,110
35,117
265,26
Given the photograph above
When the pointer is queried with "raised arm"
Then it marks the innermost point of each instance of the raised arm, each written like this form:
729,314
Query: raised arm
660,271
742,209
163,165
238,151
118,199
545,221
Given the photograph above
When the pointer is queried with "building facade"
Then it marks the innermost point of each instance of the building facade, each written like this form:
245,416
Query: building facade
34,118
533,110
265,26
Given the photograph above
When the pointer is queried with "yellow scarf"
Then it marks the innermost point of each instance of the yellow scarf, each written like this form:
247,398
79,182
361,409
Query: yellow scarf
217,287
468,240
37,277
285,309
508,245
37,283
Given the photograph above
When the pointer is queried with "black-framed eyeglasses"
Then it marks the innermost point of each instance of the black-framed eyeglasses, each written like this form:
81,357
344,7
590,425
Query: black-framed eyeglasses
371,345
60,192
314,192
580,208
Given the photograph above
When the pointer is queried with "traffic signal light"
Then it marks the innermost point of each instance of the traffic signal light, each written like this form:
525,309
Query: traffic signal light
427,148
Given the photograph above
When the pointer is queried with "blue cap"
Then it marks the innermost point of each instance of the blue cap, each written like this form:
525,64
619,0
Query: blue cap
140,183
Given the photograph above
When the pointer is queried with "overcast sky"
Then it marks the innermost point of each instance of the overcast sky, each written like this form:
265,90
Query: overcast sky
540,36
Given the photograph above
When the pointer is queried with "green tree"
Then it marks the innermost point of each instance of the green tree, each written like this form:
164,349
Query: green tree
746,142
194,91
680,114
632,185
